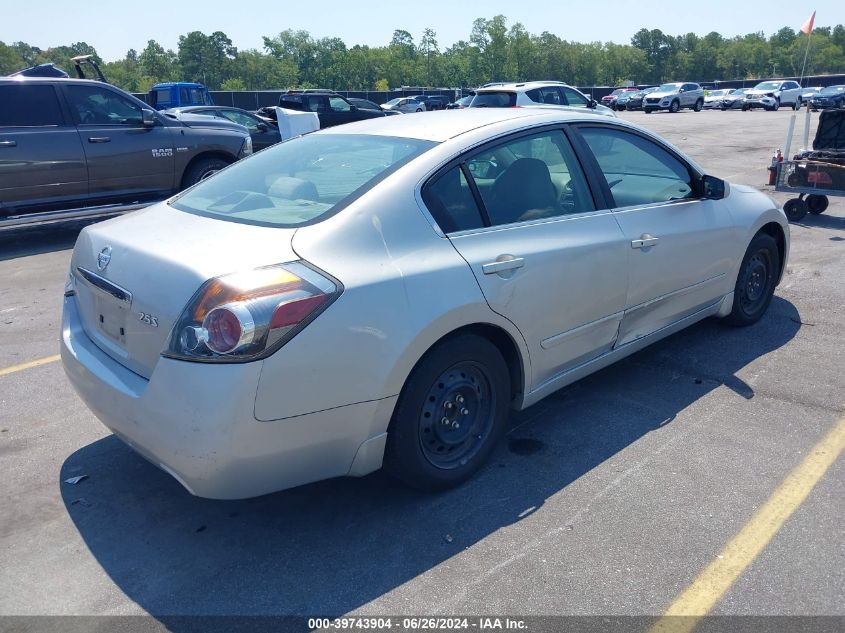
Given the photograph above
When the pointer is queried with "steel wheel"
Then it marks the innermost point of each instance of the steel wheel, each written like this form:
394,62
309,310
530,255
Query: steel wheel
756,280
455,419
450,414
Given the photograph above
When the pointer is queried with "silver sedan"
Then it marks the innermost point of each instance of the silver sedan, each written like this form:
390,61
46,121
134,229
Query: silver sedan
383,293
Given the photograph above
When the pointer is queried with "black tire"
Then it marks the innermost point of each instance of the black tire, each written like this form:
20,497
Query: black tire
816,203
648,110
745,108
453,378
675,106
698,105
797,105
419,109
755,283
776,107
202,169
795,209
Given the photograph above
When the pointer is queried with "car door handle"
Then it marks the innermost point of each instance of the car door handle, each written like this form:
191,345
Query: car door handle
99,139
8,143
492,268
645,241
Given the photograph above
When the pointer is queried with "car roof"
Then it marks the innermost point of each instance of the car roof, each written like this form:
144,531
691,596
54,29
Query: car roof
522,85
49,80
445,124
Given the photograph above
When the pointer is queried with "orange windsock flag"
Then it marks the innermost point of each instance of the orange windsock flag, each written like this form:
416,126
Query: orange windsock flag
808,25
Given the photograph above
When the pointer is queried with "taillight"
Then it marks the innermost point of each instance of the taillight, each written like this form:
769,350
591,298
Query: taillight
249,315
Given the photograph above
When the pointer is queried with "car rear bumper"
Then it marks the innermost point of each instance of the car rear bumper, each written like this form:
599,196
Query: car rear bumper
196,421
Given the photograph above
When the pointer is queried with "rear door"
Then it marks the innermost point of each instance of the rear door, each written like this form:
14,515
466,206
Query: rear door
127,161
545,255
680,246
42,165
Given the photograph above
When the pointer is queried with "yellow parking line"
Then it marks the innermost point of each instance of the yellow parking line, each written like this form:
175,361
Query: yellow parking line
712,583
29,365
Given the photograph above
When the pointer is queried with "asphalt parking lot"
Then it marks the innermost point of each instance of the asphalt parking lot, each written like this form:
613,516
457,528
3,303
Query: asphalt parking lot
608,498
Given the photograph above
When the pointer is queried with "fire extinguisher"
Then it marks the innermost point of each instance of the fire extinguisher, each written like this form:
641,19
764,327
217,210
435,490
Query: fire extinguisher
773,168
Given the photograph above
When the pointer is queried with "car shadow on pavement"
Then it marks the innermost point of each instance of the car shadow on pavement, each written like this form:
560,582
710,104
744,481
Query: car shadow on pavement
37,240
331,547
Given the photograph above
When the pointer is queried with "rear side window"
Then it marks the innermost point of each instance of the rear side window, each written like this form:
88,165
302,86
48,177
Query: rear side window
300,181
29,106
162,95
500,99
451,203
549,95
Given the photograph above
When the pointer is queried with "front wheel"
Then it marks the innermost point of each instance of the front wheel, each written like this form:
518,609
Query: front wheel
450,414
698,105
776,106
648,110
756,281
675,106
419,109
202,169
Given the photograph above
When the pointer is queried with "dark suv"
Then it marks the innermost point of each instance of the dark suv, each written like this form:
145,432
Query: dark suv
433,102
331,108
78,148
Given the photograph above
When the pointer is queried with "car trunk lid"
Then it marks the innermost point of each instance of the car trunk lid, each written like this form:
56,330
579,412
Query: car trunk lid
134,275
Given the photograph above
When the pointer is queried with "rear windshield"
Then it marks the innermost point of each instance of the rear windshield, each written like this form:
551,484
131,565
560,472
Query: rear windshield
500,99
301,181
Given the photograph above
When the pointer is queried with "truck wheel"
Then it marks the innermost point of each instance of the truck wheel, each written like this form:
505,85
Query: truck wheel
675,106
816,203
202,169
795,209
698,105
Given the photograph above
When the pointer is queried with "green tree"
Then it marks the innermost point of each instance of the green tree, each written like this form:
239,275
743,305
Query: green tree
206,58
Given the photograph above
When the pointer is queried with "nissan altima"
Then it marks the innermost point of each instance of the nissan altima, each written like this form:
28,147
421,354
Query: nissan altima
383,293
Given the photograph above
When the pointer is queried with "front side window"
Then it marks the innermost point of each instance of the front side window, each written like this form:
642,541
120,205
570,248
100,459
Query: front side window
240,118
29,106
338,105
637,170
300,181
575,98
100,106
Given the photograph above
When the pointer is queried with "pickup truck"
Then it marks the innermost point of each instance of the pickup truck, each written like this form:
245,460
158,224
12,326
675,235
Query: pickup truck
178,94
76,148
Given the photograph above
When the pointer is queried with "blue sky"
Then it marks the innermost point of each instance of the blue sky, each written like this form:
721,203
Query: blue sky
114,28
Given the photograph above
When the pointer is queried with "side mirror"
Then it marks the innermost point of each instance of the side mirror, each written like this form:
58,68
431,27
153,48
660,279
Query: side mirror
148,117
714,188
353,108
593,104
261,127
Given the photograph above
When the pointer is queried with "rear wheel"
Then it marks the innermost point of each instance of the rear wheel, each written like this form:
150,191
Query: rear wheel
675,106
816,203
797,104
755,283
450,414
795,209
698,105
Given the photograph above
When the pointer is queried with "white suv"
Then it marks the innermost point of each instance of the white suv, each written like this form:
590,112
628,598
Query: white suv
773,94
538,94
